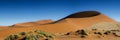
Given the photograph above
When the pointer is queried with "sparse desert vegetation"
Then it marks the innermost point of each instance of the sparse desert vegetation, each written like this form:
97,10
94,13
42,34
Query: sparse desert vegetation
96,32
106,26
33,35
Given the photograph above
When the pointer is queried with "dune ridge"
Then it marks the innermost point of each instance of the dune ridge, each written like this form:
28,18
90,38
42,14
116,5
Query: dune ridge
28,24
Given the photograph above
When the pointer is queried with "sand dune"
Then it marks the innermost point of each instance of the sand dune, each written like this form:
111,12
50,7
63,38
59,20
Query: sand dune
85,19
28,24
3,27
79,20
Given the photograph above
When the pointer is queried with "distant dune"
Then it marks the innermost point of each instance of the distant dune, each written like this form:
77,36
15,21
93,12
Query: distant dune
79,20
28,24
3,27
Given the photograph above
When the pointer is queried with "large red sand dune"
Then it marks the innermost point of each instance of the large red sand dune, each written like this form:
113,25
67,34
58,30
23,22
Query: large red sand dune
72,22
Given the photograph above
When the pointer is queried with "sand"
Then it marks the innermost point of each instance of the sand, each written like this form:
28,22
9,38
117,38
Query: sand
73,22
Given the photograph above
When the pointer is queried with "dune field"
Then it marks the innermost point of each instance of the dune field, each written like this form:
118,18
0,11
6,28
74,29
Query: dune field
66,28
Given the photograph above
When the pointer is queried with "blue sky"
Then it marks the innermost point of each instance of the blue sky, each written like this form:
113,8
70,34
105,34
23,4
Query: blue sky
18,11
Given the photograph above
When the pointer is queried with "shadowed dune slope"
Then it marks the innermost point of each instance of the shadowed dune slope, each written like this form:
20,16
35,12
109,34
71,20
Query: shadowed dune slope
83,14
85,19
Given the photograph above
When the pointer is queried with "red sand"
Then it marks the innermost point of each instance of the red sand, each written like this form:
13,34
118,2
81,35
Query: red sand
69,23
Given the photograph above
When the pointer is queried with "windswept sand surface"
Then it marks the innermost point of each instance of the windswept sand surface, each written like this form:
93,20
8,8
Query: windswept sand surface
67,24
28,24
3,27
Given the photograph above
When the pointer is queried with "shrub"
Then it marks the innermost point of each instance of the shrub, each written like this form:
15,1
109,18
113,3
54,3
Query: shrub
107,32
99,33
83,36
95,32
12,37
78,32
46,34
117,34
16,36
30,36
94,29
23,33
67,33
39,35
48,39
83,32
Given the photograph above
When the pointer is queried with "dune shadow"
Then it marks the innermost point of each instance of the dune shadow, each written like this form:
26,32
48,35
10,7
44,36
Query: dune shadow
83,14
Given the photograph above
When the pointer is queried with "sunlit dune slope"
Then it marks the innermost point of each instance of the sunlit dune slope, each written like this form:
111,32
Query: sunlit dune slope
3,27
28,24
52,28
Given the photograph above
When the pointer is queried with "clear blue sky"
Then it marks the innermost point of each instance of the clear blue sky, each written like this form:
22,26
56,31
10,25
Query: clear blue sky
17,11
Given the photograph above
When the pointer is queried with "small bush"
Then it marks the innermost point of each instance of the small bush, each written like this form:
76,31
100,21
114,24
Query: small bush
117,34
107,32
81,32
98,33
16,36
23,33
78,32
12,37
30,36
94,29
39,35
67,33
83,36
95,32
48,39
